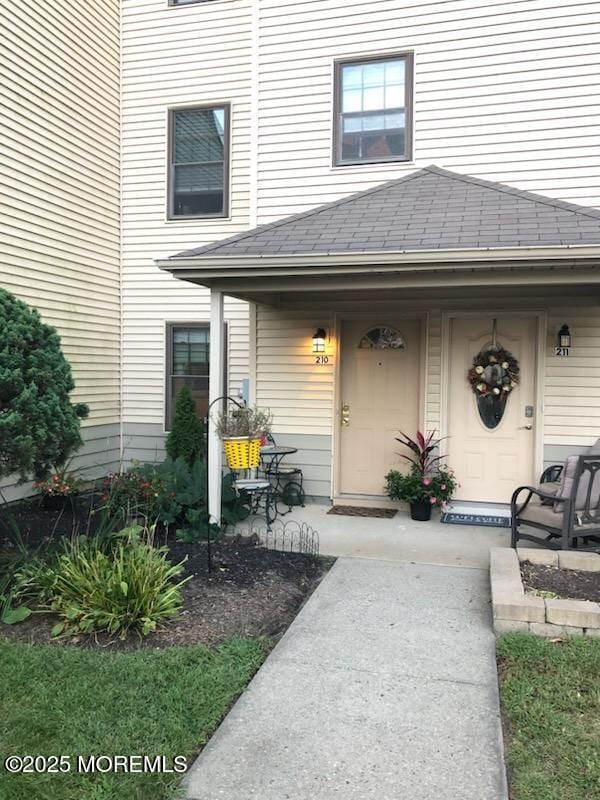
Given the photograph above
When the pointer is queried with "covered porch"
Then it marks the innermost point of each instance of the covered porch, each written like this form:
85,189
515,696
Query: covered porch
448,263
395,539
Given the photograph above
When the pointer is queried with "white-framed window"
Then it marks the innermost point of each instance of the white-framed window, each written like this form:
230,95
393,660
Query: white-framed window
373,101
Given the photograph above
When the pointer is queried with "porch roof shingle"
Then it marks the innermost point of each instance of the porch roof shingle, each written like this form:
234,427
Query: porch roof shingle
430,209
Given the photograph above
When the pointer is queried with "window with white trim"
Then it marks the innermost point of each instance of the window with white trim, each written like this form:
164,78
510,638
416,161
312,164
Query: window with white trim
373,110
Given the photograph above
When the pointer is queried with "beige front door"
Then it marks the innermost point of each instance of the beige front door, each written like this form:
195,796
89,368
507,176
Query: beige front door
491,462
380,390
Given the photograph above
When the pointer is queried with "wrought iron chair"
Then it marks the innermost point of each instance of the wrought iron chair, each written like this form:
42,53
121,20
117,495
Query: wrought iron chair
288,481
569,516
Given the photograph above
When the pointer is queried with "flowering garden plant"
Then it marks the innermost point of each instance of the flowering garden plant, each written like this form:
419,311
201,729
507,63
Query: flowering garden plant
429,481
60,483
436,489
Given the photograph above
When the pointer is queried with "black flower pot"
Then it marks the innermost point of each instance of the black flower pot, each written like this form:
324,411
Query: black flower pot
421,511
56,502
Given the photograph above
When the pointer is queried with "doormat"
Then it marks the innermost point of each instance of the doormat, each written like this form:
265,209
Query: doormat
483,520
360,511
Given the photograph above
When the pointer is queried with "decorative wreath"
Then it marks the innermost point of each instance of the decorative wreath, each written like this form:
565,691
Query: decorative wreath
495,371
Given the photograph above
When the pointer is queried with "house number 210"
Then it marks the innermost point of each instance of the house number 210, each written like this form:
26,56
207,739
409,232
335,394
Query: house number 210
321,359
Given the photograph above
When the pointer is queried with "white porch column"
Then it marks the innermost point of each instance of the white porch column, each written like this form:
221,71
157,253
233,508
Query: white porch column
216,389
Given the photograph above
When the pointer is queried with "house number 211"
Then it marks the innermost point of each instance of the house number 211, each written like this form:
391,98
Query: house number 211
321,359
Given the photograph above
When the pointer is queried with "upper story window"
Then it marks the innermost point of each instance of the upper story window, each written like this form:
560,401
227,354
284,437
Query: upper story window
373,110
199,162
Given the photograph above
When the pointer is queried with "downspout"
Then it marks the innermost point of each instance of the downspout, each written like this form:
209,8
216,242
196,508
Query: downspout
121,335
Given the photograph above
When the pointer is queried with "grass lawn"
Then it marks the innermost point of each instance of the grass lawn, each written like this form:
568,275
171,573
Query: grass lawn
551,703
66,701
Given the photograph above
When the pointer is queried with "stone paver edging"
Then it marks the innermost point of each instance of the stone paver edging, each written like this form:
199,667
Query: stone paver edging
516,611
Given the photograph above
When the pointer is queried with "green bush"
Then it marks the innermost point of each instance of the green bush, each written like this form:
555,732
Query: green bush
39,426
186,437
99,585
170,493
436,488
137,493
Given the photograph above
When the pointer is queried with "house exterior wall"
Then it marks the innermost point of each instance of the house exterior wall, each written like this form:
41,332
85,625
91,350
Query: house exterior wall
515,100
175,56
303,394
59,215
506,91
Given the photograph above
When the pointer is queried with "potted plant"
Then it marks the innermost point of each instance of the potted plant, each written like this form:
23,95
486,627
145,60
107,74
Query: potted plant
58,489
241,431
429,483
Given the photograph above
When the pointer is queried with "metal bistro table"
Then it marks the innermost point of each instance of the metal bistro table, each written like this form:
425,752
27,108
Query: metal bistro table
280,476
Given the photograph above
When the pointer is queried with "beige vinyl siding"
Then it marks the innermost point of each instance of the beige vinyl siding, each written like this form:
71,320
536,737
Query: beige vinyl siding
507,91
572,385
433,385
189,55
59,183
299,393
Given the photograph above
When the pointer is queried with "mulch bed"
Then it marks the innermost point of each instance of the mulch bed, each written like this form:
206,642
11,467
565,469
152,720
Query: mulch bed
38,527
568,584
360,511
250,591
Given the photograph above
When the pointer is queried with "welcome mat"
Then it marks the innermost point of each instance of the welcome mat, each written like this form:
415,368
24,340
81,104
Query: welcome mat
360,511
483,520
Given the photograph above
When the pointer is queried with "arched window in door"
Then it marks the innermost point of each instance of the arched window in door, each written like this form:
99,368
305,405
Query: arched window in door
382,337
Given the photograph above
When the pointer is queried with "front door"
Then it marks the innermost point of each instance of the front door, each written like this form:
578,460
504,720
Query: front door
380,390
491,447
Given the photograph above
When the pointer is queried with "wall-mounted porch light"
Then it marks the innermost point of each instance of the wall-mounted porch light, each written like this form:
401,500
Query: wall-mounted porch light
564,337
318,340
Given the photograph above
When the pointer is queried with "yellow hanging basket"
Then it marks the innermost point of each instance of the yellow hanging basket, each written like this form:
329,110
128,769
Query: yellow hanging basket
242,452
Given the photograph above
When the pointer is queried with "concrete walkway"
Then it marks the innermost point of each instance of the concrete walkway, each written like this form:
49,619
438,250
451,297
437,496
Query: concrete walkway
383,688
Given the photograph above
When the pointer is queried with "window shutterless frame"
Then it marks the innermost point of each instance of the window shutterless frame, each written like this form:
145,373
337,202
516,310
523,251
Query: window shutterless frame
339,64
226,107
169,375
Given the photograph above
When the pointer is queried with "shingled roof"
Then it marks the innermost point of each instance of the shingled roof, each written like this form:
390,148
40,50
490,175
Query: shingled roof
431,209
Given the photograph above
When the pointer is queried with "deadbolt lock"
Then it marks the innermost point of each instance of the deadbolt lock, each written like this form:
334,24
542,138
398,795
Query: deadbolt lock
345,415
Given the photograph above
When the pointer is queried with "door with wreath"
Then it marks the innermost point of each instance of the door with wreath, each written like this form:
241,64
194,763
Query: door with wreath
491,405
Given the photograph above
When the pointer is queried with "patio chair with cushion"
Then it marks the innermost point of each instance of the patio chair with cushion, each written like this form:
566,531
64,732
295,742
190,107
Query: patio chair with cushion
568,515
552,475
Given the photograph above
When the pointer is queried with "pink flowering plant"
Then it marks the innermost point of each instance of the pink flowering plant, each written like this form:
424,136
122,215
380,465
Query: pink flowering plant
429,480
60,483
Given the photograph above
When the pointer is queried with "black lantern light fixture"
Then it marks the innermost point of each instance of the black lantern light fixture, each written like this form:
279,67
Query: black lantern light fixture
564,337
318,340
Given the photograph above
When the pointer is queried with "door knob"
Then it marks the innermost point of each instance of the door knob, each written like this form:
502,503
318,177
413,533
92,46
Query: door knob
345,415
526,427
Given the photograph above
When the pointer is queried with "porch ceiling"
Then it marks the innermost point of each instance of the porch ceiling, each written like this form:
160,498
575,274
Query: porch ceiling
432,228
